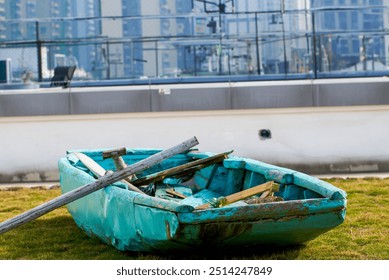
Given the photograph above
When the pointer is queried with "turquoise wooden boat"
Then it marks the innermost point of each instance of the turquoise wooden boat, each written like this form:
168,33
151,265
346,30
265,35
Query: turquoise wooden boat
134,221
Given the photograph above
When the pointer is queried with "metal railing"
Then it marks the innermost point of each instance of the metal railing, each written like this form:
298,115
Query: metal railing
284,44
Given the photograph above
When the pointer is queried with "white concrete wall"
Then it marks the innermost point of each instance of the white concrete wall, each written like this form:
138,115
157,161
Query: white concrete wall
327,139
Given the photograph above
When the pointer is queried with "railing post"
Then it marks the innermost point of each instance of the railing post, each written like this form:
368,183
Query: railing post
108,61
284,40
257,45
157,61
39,52
314,47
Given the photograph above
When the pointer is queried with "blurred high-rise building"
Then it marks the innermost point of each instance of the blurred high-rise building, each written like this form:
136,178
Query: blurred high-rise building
48,20
2,19
142,25
115,39
352,34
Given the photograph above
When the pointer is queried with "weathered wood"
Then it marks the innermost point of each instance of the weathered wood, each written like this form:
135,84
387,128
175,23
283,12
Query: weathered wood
116,156
239,195
266,194
181,170
99,171
174,193
95,186
268,199
114,153
119,163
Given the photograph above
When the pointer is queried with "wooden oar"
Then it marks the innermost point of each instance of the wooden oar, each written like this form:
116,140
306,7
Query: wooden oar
222,201
96,185
181,170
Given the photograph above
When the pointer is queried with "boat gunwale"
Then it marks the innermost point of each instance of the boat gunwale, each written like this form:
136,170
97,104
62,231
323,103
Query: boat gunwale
271,172
330,192
271,210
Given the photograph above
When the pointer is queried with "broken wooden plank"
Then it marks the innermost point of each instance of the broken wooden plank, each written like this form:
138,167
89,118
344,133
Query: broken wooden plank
222,201
181,170
174,193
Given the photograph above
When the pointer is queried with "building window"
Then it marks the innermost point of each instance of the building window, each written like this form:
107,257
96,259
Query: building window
356,45
329,20
375,2
343,19
275,19
344,48
354,20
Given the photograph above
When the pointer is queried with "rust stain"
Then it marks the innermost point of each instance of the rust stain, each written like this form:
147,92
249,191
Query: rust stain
168,232
220,232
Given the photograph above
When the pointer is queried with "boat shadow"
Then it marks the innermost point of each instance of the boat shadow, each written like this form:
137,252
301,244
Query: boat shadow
291,252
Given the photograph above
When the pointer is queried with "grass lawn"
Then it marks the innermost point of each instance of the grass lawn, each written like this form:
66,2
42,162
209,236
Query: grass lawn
363,236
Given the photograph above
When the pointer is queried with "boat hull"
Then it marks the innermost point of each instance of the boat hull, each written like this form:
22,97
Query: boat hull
136,222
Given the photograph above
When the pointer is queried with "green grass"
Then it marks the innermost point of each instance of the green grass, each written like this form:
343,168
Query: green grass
363,236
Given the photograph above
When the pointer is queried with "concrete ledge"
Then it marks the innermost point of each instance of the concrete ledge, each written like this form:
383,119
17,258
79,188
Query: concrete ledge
194,97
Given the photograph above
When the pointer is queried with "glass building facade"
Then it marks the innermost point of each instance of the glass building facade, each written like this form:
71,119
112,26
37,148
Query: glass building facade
2,20
353,36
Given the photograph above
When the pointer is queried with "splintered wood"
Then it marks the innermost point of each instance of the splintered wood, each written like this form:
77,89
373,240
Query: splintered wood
222,201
